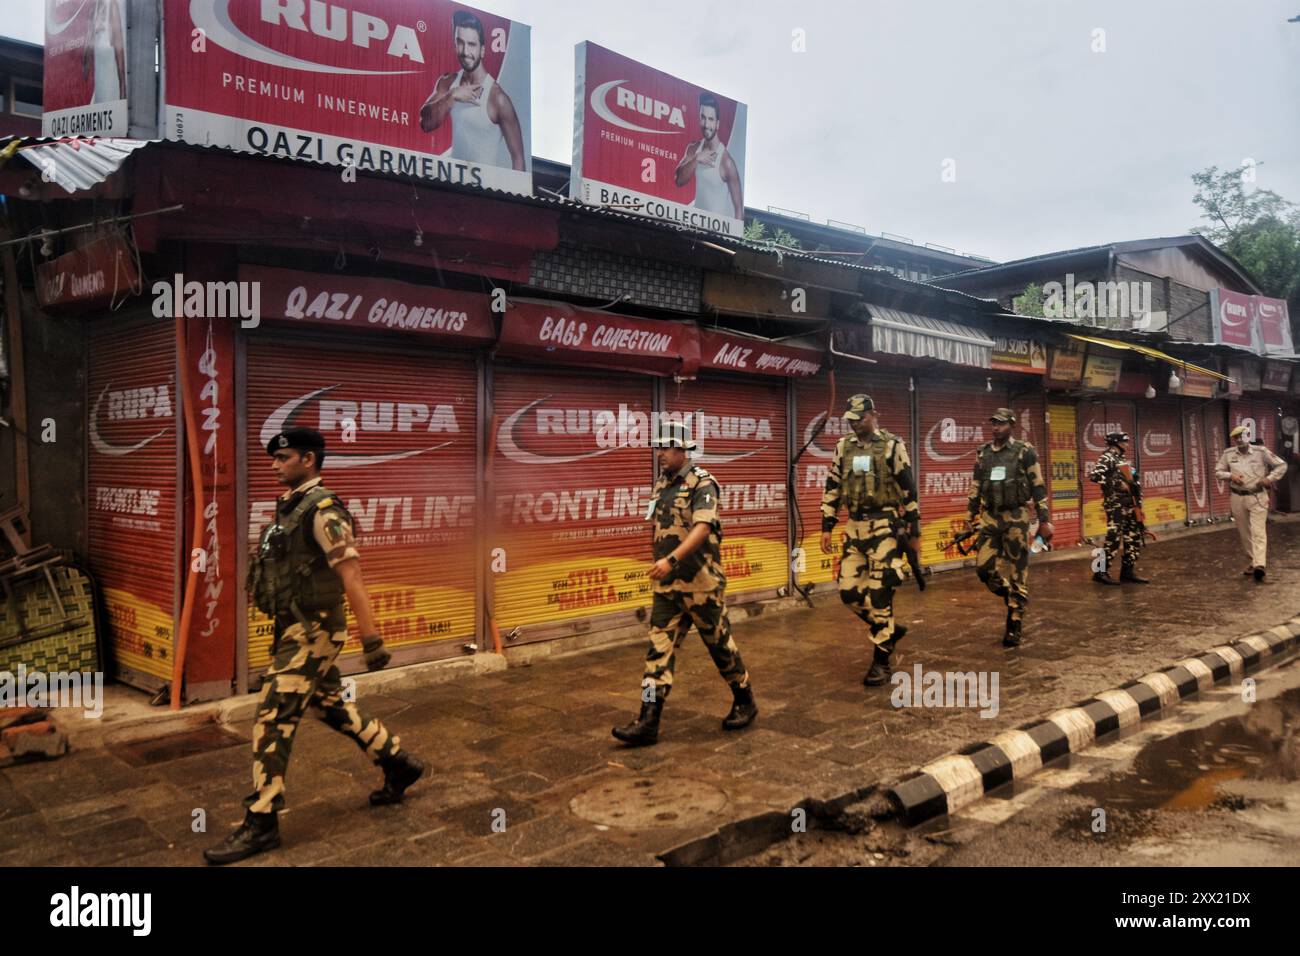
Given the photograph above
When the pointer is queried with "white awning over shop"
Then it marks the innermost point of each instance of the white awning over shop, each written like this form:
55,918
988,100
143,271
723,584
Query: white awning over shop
920,336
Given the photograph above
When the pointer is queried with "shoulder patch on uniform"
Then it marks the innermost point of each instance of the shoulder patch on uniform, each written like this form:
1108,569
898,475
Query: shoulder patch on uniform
324,503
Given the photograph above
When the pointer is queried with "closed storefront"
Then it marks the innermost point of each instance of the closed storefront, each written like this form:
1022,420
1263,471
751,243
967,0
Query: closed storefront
400,427
1061,473
1259,417
953,423
571,476
740,429
889,390
1161,464
1097,420
1200,467
1216,442
132,478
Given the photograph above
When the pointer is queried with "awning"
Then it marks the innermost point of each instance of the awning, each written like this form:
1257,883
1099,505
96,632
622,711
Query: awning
77,164
1147,350
920,336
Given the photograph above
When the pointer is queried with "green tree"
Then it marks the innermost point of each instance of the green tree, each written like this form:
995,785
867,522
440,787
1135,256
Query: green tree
1257,227
1029,302
756,231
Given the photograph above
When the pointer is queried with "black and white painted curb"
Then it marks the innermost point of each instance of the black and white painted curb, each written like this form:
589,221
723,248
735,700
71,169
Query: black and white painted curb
959,779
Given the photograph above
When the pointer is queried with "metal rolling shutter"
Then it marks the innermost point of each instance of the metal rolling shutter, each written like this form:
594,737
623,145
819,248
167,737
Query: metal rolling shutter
1216,440
954,422
132,478
408,476
1161,463
740,430
1096,421
893,400
1199,468
571,474
1063,476
1259,416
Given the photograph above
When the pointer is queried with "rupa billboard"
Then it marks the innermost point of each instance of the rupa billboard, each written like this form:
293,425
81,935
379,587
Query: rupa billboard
648,143
425,88
85,91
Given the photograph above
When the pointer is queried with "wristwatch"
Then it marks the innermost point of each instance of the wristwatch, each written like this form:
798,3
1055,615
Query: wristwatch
672,560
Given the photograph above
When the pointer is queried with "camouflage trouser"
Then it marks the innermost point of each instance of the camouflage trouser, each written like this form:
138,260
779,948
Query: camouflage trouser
871,567
1122,529
1002,561
301,675
671,617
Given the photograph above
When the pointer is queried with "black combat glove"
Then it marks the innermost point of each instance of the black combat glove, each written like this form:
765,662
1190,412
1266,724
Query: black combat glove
377,656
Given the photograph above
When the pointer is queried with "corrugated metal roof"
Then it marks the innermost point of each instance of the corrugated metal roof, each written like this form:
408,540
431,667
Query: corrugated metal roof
77,164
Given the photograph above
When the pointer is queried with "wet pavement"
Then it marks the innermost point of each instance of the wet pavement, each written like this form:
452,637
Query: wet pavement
523,769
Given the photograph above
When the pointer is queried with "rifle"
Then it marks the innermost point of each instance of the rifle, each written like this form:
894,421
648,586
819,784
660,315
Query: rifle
1135,489
913,556
959,540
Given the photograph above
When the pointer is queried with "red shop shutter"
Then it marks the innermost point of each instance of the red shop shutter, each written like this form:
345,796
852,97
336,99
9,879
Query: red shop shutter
1161,463
1096,421
132,477
1200,466
1216,442
572,473
740,430
408,477
954,422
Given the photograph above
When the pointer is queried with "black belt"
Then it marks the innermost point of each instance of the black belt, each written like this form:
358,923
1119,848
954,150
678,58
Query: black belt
1245,494
874,514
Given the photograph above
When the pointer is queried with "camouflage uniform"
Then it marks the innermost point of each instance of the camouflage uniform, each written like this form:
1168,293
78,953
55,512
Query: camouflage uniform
303,673
1004,483
1122,526
694,593
873,481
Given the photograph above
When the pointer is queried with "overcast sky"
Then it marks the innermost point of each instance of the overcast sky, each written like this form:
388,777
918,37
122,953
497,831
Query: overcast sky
1055,145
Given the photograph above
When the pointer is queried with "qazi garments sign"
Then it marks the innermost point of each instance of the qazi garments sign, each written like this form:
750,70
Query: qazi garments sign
648,143
422,88
85,68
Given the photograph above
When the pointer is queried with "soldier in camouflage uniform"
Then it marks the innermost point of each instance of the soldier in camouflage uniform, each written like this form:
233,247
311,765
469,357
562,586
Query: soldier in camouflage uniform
689,588
1007,478
305,565
1122,502
871,477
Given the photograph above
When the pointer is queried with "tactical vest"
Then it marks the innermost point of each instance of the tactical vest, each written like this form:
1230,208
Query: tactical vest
1012,489
873,486
288,573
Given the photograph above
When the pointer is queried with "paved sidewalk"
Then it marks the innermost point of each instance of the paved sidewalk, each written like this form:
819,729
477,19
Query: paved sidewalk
530,748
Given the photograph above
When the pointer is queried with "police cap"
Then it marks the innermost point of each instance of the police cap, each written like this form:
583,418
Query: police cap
1004,416
858,406
298,439
674,435
1116,438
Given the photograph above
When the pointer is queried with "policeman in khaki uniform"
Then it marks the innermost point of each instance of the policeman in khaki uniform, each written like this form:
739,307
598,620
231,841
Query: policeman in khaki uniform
871,477
689,587
1122,501
1007,478
1250,470
306,563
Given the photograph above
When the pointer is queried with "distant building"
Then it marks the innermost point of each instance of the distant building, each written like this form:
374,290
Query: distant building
21,68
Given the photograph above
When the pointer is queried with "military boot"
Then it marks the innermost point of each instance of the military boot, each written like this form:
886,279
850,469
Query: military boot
1101,577
643,731
400,771
258,833
1012,636
880,671
743,709
1131,576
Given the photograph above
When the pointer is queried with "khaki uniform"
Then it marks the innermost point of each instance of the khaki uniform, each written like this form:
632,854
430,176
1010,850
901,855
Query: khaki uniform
872,480
303,673
695,591
1006,481
1250,497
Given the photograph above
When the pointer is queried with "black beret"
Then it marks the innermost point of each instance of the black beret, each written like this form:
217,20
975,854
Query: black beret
299,439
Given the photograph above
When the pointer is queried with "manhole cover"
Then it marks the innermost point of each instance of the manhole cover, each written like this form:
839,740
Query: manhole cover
649,802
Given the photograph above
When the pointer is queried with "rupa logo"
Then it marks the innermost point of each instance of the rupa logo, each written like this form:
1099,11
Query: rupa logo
1094,435
1233,314
947,432
1157,444
328,21
639,103
126,405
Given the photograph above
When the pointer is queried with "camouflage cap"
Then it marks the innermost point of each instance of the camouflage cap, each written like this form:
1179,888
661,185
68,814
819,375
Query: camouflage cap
1004,416
674,435
1116,438
858,406
298,439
